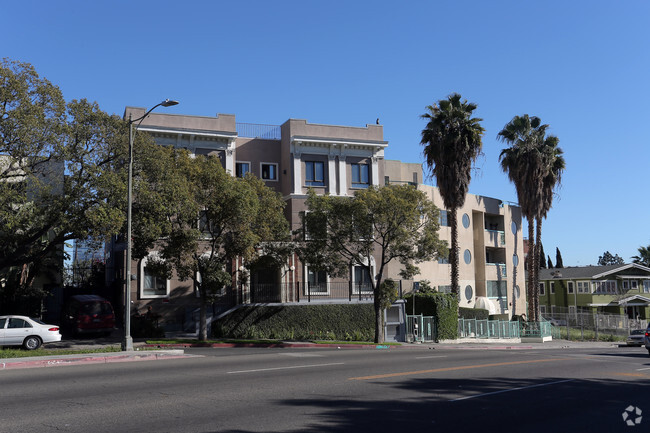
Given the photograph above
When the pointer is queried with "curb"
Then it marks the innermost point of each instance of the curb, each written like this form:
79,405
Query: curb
107,358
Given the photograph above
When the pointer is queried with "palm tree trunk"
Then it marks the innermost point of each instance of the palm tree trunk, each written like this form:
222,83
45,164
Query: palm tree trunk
538,245
453,252
533,262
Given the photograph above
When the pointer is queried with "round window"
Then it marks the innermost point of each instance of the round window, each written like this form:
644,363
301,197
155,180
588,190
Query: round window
515,259
468,256
466,221
514,228
469,292
517,292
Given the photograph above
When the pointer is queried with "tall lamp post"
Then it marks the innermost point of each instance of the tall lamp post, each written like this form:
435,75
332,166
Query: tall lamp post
127,342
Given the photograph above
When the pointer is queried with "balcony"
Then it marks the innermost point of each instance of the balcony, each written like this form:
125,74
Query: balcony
495,271
495,238
258,130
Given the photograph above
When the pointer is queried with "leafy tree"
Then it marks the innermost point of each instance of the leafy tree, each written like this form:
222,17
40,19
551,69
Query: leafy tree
59,174
558,258
395,223
644,256
452,142
216,218
608,259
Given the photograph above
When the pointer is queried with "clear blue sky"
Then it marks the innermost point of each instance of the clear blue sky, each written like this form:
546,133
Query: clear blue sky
583,67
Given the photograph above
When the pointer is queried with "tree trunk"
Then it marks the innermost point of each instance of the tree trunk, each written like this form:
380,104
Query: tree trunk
203,323
453,252
533,260
538,243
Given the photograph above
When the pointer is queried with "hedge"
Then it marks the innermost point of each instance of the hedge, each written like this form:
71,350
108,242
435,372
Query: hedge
355,322
443,307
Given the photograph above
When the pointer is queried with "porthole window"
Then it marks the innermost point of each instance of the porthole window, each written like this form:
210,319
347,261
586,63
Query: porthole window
469,292
468,256
514,228
515,259
517,292
466,221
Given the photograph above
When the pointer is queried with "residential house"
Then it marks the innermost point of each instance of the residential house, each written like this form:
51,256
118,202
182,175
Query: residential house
615,289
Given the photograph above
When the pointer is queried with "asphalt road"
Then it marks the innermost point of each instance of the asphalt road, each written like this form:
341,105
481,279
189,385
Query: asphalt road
315,390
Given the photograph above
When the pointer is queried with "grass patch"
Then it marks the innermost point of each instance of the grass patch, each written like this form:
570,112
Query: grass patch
20,353
218,341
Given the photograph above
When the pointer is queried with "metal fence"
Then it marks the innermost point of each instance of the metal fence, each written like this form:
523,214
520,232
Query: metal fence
420,329
576,325
475,328
258,130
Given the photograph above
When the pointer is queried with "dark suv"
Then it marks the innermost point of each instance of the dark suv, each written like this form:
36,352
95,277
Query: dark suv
88,314
646,339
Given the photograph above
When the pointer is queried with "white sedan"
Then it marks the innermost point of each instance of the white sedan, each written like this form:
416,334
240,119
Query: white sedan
27,332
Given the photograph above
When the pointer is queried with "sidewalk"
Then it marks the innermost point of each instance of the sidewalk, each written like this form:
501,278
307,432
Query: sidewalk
151,352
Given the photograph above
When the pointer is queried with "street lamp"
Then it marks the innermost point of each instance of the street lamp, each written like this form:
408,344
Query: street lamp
127,342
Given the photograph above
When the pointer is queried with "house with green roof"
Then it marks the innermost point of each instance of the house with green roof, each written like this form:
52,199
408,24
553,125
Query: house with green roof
615,289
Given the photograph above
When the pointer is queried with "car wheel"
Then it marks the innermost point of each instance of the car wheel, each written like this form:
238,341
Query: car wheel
32,343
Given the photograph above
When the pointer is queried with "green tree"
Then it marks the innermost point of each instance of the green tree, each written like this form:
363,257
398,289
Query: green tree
558,258
395,223
216,218
644,256
608,259
59,173
550,263
452,142
542,257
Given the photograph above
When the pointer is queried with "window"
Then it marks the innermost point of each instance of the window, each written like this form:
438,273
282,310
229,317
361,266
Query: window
542,291
317,281
242,168
646,286
3,322
443,219
466,220
633,285
583,287
443,260
552,287
467,256
360,177
269,171
469,292
152,285
626,285
542,310
569,286
314,173
601,287
18,323
497,290
444,289
361,280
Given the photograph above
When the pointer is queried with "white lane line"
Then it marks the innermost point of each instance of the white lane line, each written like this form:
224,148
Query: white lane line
429,357
286,368
513,389
641,369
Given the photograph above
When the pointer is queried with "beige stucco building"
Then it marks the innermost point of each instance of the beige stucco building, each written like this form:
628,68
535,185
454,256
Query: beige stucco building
339,160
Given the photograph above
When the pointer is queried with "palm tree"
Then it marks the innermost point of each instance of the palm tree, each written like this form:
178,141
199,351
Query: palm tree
523,163
452,142
644,256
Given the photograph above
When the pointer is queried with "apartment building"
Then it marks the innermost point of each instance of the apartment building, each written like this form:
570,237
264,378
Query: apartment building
338,160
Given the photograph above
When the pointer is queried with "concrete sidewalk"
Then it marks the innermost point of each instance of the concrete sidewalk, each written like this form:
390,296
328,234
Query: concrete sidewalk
90,358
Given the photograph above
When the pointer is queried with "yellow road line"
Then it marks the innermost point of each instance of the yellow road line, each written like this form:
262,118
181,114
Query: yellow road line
465,367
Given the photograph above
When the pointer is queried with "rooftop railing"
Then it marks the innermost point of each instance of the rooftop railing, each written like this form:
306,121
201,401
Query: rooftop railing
258,130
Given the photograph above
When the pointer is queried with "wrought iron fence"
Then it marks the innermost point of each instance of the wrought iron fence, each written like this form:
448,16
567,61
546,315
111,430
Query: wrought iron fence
501,329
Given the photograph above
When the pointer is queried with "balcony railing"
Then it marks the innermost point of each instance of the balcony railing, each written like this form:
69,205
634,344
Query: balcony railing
258,130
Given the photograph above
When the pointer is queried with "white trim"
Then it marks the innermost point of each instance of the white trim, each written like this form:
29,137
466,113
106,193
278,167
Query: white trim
623,267
141,267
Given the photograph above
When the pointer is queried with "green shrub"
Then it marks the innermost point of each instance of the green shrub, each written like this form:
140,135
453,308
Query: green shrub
443,307
353,322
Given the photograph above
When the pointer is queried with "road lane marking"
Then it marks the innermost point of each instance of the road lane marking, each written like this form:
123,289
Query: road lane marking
631,374
641,369
286,368
512,389
465,367
429,357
